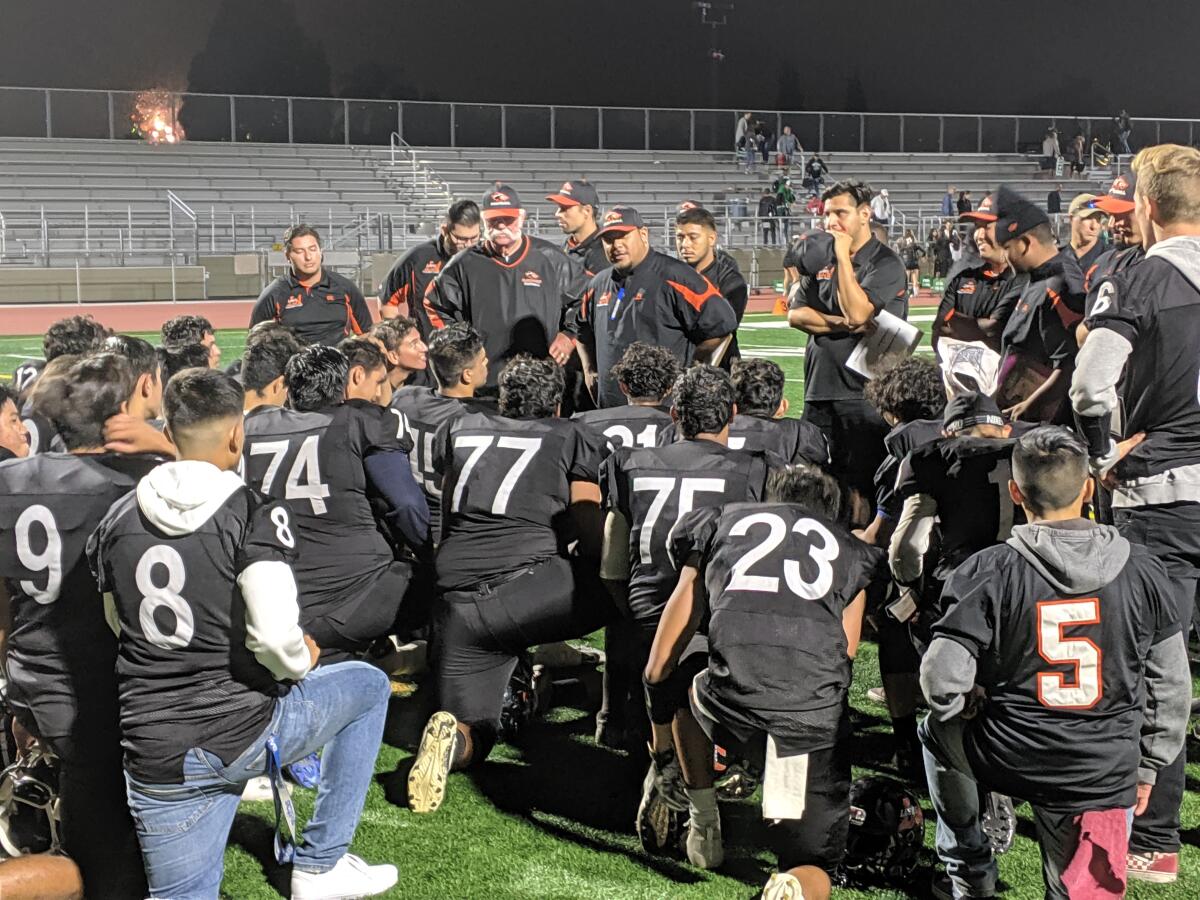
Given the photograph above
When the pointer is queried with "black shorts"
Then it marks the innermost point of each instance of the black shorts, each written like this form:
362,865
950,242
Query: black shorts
818,838
479,633
1171,532
668,697
346,629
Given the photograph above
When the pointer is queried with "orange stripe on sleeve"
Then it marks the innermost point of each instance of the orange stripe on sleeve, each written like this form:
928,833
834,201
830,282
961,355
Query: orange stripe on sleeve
434,319
695,299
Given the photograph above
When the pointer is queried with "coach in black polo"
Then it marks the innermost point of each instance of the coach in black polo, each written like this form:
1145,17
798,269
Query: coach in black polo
321,307
846,277
650,297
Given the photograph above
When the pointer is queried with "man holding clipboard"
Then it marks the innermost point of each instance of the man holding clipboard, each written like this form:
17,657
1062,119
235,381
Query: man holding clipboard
847,277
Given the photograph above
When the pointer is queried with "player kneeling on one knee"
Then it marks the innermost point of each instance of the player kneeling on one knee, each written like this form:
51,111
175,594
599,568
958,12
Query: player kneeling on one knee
1058,673
783,587
519,489
213,669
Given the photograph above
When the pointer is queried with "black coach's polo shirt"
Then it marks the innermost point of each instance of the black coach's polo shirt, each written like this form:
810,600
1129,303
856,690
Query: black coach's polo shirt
321,313
881,276
663,302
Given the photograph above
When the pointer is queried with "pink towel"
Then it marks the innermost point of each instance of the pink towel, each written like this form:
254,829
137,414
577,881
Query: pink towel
1097,870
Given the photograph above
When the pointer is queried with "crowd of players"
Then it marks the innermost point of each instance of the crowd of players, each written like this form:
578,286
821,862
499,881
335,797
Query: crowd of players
207,573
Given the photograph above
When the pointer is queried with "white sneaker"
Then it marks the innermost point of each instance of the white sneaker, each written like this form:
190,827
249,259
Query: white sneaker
704,846
259,789
350,878
783,886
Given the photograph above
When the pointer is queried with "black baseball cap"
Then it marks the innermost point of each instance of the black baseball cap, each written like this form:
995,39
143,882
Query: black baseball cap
985,212
621,218
968,410
576,193
500,200
1015,215
1119,199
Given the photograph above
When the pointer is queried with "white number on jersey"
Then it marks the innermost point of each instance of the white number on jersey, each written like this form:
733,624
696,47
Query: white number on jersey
48,560
822,554
1053,689
155,597
421,462
306,466
480,444
645,438
663,489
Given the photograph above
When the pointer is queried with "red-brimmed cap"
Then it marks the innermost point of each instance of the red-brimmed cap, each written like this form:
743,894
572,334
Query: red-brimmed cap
500,200
982,213
575,193
1119,199
621,218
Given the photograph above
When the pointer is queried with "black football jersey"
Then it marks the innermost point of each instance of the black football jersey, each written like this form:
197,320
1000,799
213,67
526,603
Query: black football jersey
409,278
60,649
315,462
900,441
1154,306
777,580
184,674
425,411
1042,324
626,426
968,479
655,488
1061,726
791,440
43,436
506,490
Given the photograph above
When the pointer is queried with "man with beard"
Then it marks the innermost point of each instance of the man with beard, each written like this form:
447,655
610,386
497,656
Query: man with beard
696,243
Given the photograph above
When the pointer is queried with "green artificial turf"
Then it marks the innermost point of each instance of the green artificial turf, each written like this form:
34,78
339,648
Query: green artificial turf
552,818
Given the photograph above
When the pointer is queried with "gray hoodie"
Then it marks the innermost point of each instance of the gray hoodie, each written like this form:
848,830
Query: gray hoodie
1078,557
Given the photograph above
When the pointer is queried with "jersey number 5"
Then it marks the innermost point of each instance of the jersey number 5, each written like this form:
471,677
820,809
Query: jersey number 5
1086,685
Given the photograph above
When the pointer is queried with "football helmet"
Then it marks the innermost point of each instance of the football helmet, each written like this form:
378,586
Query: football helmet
887,829
29,805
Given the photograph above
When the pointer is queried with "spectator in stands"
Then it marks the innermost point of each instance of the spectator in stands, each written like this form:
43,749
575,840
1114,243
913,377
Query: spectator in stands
1050,150
1054,201
1086,224
762,140
942,259
788,148
784,198
964,204
14,436
319,305
815,205
767,210
743,140
910,255
1122,129
183,330
881,208
1077,153
948,208
816,170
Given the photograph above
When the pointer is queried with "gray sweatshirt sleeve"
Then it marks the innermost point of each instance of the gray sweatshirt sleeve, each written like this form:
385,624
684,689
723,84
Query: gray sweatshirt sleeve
947,676
1168,705
1097,372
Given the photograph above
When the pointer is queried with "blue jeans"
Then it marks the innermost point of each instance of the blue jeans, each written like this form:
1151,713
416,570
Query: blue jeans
183,827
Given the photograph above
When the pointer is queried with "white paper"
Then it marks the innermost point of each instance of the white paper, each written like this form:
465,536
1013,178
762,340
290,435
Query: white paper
785,784
968,366
890,342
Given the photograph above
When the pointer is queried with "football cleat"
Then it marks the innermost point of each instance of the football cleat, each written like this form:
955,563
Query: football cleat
783,886
736,778
999,822
663,813
431,768
704,846
887,830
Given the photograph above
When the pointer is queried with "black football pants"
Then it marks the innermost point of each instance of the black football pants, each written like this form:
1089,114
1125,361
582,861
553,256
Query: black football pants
479,633
346,629
1172,533
855,433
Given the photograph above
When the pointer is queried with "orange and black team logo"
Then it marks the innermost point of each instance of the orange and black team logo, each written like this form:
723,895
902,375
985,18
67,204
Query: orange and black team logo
612,216
500,197
432,267
604,298
640,295
294,302
968,287
531,279
826,274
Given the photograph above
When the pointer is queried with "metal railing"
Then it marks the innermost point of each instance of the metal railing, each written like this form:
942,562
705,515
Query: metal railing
81,113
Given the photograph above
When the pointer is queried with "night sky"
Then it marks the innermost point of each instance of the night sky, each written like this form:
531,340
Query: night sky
1023,56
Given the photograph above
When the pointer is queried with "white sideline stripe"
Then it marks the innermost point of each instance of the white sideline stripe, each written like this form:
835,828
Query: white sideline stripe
779,323
793,352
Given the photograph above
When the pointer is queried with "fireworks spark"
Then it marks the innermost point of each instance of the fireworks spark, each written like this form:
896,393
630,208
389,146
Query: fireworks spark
154,118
